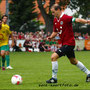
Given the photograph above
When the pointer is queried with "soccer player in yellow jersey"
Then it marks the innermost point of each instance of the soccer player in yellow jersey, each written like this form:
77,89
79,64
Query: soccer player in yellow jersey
1,46
5,33
0,39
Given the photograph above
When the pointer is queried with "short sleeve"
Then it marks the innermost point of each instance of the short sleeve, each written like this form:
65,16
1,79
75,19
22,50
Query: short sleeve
9,31
69,19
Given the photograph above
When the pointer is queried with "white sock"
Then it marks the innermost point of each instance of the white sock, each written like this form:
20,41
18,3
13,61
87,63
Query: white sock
82,67
54,69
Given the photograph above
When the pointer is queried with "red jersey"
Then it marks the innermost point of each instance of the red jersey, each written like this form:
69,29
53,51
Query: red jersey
63,26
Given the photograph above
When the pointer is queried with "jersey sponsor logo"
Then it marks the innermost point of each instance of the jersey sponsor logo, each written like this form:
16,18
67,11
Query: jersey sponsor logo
61,23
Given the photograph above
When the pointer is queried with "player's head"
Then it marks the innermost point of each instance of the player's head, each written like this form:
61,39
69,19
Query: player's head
55,9
4,18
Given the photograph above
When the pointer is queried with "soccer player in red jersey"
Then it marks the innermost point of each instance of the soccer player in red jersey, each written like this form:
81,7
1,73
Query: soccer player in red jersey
62,25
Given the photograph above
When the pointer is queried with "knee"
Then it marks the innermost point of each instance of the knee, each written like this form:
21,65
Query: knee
73,62
2,54
53,58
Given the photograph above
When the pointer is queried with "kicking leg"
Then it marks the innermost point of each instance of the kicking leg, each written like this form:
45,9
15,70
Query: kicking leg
3,59
81,67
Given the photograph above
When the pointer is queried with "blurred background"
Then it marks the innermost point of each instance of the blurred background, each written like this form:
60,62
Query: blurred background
31,22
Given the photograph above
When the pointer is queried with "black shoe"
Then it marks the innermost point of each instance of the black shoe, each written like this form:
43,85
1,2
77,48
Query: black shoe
88,78
52,80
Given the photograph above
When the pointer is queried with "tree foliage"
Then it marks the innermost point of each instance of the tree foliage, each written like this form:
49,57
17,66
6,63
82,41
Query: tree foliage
0,12
31,26
21,12
84,7
47,17
84,10
0,15
0,1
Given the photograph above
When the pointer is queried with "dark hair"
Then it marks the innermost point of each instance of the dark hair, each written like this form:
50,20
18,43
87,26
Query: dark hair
57,7
4,16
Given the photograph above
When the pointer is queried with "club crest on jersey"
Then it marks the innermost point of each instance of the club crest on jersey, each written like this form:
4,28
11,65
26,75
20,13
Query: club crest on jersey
61,23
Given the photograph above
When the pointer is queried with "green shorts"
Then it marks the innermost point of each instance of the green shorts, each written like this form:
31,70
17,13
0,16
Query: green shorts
5,48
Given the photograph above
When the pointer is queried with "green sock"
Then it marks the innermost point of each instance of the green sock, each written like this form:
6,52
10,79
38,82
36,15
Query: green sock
0,61
3,61
7,60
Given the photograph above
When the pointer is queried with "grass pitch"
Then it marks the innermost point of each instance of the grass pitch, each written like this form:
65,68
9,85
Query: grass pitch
35,69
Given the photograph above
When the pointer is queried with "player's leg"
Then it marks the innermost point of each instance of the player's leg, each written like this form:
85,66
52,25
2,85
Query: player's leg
74,61
8,60
0,62
7,57
0,59
81,66
3,59
54,57
54,61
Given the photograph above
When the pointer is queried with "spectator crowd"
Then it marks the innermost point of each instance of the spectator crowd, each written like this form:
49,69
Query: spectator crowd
38,40
78,36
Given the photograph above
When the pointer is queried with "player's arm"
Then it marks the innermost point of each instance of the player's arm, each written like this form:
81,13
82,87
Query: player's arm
53,35
79,20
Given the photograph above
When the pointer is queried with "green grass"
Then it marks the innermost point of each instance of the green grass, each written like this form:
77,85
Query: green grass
35,69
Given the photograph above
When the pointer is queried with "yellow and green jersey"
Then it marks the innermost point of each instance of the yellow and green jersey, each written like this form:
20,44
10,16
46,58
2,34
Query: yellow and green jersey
4,34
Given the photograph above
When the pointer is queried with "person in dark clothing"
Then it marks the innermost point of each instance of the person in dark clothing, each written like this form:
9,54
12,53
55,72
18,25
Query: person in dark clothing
28,44
15,47
42,47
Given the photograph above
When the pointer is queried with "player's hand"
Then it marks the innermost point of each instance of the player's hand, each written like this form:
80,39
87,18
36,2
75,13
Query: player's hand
88,22
48,38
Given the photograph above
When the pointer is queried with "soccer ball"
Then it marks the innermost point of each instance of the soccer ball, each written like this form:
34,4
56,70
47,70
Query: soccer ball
16,79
